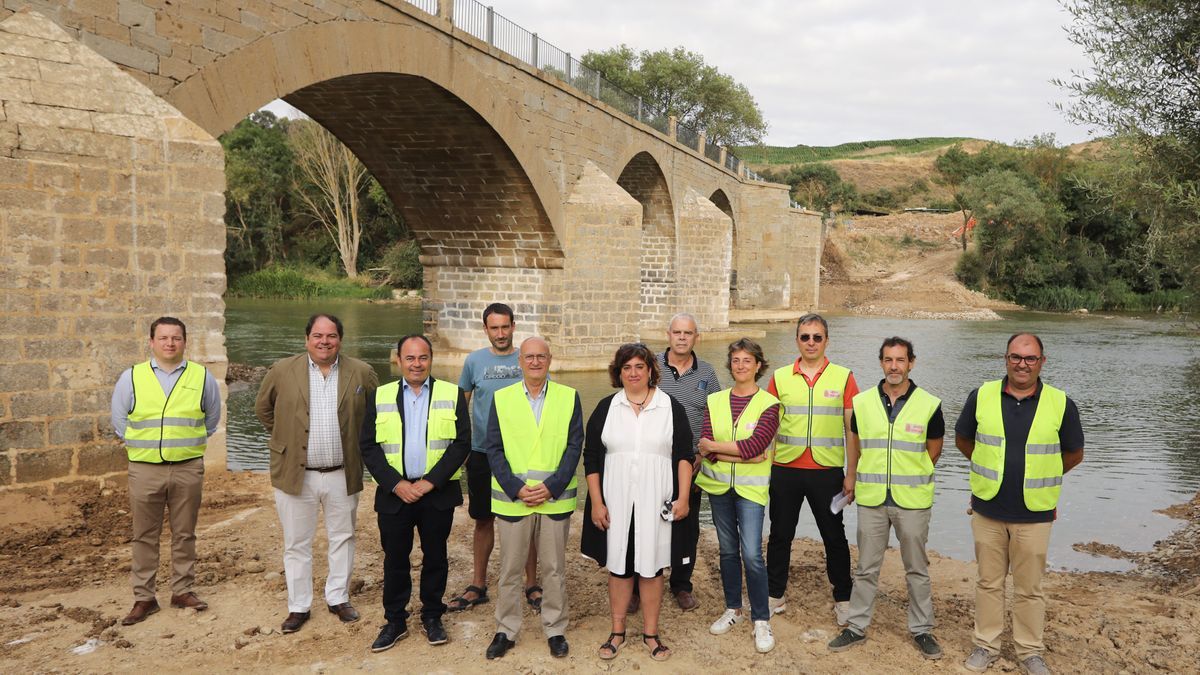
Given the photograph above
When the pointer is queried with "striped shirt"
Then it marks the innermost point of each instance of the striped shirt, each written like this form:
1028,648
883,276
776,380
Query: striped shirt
324,433
764,431
691,389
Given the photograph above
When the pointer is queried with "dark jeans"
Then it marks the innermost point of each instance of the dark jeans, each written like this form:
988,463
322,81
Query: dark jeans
687,531
396,537
789,488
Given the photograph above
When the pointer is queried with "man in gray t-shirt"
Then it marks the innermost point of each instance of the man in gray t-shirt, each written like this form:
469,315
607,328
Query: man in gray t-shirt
485,372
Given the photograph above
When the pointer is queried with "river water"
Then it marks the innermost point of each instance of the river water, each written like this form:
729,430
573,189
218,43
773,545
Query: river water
1135,379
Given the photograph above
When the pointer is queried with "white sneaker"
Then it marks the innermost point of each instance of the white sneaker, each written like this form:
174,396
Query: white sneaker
841,612
777,605
764,641
727,621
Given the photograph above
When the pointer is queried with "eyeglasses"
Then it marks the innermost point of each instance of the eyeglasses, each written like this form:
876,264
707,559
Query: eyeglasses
1030,360
530,358
815,337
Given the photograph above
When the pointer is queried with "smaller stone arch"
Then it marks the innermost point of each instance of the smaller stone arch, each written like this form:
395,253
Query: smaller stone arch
721,201
644,180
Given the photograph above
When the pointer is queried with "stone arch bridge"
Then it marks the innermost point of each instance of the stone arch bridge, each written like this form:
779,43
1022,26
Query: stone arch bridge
519,187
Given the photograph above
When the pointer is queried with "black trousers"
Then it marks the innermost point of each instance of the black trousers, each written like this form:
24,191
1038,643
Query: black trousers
685,533
789,488
396,537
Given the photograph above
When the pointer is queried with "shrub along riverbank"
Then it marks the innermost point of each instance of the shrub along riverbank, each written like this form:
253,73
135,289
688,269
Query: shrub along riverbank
302,281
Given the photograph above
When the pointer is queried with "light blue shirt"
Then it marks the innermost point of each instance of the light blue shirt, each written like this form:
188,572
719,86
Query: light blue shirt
416,423
536,402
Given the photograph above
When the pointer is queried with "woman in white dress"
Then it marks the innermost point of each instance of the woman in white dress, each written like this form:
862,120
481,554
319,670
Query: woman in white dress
638,460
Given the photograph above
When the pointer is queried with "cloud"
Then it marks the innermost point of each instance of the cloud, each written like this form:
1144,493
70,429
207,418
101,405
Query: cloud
829,72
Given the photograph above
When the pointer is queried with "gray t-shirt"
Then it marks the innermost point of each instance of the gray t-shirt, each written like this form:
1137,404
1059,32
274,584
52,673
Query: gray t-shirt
483,374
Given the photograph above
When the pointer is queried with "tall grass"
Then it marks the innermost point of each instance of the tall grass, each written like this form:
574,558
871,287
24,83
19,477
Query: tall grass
800,154
301,281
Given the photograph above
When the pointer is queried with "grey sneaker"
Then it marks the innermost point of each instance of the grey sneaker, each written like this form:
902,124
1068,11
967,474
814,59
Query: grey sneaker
846,640
1035,665
928,646
980,660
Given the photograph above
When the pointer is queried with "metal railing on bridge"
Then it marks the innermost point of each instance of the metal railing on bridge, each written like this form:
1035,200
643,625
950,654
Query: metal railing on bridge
485,24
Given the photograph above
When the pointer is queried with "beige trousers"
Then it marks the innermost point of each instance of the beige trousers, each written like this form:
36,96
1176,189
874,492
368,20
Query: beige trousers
153,488
551,538
1021,548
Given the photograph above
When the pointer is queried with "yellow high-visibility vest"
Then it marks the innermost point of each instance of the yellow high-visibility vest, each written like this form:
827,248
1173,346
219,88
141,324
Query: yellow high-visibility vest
440,431
750,480
893,452
166,427
812,417
1043,454
534,449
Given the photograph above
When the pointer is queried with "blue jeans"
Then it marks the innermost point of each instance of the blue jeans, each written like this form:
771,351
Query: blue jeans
739,523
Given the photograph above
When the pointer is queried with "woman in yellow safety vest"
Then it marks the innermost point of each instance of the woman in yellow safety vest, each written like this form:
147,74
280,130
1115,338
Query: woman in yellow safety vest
736,446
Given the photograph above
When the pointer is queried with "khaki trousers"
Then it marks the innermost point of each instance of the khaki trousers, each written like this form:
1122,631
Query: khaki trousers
153,488
912,531
551,538
1021,547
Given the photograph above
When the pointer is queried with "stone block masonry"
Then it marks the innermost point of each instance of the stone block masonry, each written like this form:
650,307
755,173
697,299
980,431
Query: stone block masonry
104,187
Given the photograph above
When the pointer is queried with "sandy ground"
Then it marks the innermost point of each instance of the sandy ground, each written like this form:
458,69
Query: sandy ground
64,587
899,265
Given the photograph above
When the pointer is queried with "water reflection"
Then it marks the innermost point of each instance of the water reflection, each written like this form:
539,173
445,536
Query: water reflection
1136,382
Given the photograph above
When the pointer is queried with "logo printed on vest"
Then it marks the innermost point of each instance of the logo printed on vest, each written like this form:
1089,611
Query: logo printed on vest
832,393
914,428
750,426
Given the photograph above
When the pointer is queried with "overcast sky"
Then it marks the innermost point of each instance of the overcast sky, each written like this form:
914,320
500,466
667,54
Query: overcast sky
831,71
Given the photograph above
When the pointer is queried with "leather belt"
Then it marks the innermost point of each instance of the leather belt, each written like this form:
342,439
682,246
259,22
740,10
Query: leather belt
324,469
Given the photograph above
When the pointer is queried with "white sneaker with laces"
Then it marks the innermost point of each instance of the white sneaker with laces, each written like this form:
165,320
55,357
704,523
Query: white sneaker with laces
777,605
727,621
841,612
764,640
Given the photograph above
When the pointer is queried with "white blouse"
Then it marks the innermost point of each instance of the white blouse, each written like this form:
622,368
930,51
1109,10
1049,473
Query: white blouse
638,477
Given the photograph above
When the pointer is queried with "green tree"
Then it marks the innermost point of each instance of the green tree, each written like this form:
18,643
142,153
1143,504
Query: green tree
1144,88
258,195
679,83
817,186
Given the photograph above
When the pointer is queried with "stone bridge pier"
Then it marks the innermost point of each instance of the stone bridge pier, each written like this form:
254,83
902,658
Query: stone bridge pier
594,225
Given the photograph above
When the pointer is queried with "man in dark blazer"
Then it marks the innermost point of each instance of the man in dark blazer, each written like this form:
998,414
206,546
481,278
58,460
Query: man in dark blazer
415,438
312,404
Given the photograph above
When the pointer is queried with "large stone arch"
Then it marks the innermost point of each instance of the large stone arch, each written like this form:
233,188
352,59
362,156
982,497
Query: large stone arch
644,180
279,65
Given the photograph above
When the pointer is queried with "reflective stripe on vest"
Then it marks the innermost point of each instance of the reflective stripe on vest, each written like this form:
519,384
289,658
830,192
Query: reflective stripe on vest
893,453
533,450
166,427
813,417
1042,481
440,430
750,480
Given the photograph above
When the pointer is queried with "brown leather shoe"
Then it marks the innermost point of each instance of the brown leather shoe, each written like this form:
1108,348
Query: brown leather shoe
345,612
141,610
686,600
188,601
293,622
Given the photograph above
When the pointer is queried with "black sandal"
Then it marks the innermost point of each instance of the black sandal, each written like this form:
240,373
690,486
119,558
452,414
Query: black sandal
612,649
535,603
461,603
659,653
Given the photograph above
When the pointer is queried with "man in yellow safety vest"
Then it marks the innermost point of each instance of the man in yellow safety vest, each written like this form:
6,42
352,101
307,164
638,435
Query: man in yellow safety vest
165,409
1021,435
810,455
415,437
534,441
896,436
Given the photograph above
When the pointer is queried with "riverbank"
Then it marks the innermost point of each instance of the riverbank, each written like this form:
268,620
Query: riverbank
901,266
64,586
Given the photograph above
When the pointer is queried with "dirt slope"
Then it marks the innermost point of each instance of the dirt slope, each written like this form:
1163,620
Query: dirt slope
899,265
